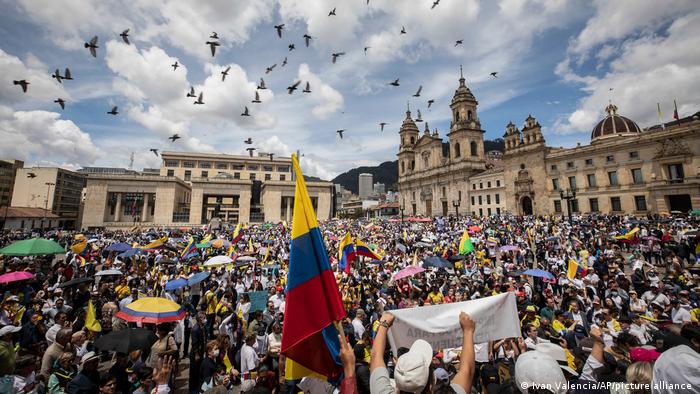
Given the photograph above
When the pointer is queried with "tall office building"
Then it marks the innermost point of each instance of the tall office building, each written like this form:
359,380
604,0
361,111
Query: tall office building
8,170
365,185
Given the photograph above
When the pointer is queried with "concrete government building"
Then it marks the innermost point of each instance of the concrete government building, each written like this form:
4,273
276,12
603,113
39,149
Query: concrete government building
194,188
624,169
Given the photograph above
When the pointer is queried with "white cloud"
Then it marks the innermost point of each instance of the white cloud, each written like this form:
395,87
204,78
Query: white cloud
42,88
328,100
310,164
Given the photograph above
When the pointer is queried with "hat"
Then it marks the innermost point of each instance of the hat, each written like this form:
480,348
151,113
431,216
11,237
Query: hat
412,369
490,378
557,353
536,368
530,308
441,374
580,331
12,298
644,354
9,329
677,365
87,357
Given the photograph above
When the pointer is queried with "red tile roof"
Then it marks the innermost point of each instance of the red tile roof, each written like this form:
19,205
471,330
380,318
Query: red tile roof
26,212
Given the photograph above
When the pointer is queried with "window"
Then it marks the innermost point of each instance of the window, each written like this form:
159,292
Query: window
481,185
555,183
675,173
205,174
252,176
488,184
640,203
472,146
488,199
204,164
459,194
188,164
267,168
237,166
479,200
481,212
472,200
222,166
637,176
171,172
553,167
188,175
457,152
570,164
252,167
268,177
498,183
283,177
498,198
171,163
412,141
610,158
591,180
593,203
557,205
444,191
498,210
615,204
474,186
634,155
236,175
574,205
572,182
403,167
589,162
489,211
612,178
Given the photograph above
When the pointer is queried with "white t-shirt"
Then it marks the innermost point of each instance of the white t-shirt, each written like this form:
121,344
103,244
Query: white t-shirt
249,359
358,328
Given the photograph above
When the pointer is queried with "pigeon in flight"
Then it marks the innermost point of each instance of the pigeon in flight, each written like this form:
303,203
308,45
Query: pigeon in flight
155,151
403,30
307,39
262,86
31,175
125,36
113,111
225,73
57,75
200,99
284,62
61,102
381,125
493,74
418,92
458,42
291,89
435,4
340,133
279,29
67,75
332,12
430,102
307,89
250,151
257,98
419,118
245,112
291,47
269,69
212,46
366,48
93,46
191,92
214,36
337,55
175,66
395,83
174,137
248,141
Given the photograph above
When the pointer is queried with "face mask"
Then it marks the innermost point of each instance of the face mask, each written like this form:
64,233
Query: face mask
215,353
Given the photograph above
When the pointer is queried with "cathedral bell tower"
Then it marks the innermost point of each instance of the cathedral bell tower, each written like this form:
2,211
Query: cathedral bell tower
466,136
409,134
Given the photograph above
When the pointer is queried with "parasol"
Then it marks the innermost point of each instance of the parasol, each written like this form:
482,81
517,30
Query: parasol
124,341
15,276
217,261
76,282
118,247
32,247
154,310
408,271
539,273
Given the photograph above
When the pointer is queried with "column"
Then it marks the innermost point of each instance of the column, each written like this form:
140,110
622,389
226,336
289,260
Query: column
118,209
287,214
144,211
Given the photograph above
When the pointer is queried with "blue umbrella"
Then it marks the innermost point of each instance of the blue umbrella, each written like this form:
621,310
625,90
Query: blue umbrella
131,253
118,247
175,284
539,273
198,277
437,262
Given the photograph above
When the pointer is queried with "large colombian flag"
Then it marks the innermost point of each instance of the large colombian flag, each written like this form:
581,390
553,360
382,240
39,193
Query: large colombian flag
313,304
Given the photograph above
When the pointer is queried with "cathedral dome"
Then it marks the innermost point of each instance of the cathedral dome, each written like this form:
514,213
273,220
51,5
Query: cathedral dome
462,93
408,123
614,124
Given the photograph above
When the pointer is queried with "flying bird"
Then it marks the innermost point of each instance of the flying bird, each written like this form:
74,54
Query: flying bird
307,39
174,137
307,89
191,92
269,69
395,83
458,42
337,55
61,102
430,102
284,62
493,74
262,84
250,151
155,151
57,76
125,36
381,125
31,175
113,111
435,4
419,118
93,46
291,47
418,92
340,133
214,36
67,75
200,99
245,112
257,98
212,46
291,89
225,73
332,12
279,29
175,66
403,30
366,48
248,141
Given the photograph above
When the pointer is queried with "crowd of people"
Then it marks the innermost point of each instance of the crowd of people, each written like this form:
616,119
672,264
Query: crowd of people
625,317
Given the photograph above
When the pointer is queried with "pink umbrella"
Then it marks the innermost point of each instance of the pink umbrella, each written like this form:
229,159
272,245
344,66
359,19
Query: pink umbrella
408,271
15,276
509,248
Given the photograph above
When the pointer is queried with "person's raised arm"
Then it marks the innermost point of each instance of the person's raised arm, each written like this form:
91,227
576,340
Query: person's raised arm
347,356
377,356
465,374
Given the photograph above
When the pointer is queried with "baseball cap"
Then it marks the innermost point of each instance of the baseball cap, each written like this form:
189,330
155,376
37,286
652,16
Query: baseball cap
558,354
530,308
9,329
441,374
537,368
413,368
677,365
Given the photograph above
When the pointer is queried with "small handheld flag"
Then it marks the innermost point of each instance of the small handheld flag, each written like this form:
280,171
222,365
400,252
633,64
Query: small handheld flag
465,244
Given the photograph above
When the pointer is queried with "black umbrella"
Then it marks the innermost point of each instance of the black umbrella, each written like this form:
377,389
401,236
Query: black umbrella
458,257
124,341
76,281
438,262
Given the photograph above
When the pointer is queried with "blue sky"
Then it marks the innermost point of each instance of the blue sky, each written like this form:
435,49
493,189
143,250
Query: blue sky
556,60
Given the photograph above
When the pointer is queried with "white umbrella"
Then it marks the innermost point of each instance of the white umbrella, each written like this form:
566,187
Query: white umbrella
243,259
218,260
108,272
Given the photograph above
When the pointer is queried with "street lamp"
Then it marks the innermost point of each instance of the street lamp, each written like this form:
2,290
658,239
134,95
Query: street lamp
46,202
455,204
568,195
403,206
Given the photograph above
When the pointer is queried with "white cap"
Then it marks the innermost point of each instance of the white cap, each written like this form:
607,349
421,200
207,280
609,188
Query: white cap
9,329
535,368
89,356
677,365
557,353
413,368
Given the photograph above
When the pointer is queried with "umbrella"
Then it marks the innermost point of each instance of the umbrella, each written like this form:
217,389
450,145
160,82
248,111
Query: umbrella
551,239
695,212
475,229
175,284
408,271
246,259
108,272
15,276
421,245
651,238
514,273
154,310
32,247
124,341
118,247
198,277
509,248
131,253
204,245
437,262
458,257
401,247
539,273
218,260
76,281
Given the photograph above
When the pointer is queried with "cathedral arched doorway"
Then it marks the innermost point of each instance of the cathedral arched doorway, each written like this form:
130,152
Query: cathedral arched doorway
526,205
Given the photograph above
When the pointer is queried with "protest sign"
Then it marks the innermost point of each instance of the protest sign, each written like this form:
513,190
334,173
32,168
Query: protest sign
258,300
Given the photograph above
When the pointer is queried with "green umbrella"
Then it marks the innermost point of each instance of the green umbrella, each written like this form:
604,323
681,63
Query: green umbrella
32,247
695,212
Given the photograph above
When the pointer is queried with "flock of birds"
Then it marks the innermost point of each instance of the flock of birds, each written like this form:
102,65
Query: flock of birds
213,43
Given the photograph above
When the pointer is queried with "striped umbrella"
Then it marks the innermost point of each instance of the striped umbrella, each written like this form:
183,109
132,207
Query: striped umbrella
152,310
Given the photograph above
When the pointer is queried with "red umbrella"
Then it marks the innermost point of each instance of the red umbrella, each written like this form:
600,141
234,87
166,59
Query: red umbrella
15,276
475,229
